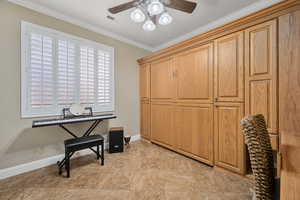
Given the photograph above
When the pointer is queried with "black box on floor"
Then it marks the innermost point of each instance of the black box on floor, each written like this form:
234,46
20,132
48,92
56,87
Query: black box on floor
116,140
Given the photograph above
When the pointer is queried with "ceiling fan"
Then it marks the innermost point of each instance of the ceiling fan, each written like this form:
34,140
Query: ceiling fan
153,11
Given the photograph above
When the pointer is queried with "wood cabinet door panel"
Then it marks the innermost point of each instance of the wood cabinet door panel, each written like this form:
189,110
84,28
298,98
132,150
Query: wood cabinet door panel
194,128
261,72
259,51
145,119
162,79
145,81
194,73
289,104
229,144
162,123
229,68
184,134
260,100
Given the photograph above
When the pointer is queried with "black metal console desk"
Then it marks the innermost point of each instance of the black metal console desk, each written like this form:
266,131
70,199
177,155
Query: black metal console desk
61,122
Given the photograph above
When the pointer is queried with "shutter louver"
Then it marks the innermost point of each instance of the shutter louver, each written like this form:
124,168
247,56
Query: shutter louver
66,73
87,75
104,93
41,71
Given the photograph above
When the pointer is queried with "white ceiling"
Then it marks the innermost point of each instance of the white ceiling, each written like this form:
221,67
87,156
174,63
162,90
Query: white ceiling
92,14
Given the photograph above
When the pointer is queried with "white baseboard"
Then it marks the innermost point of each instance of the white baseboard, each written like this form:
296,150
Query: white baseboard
27,167
135,138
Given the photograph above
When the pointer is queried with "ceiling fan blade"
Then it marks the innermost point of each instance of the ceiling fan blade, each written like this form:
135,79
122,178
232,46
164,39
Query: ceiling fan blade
122,7
182,5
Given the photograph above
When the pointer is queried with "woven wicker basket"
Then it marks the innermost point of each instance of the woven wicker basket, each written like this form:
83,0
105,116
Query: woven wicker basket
261,158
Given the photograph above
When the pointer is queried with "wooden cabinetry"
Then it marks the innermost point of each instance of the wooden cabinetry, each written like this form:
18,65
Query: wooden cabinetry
145,119
289,104
162,124
261,72
194,131
229,68
145,81
226,74
194,74
162,79
229,145
145,101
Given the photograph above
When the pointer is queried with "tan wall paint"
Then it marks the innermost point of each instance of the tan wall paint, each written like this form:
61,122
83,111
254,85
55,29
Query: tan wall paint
19,143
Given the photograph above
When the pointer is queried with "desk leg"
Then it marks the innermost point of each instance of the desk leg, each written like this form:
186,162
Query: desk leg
62,163
92,127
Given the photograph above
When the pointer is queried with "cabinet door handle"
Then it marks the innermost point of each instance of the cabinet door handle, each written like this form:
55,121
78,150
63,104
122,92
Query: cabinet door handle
216,99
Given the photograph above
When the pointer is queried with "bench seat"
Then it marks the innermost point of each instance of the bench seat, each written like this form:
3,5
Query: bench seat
77,144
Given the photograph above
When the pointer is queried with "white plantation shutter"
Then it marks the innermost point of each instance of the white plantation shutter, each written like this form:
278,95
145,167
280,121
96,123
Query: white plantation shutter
59,70
66,73
103,75
40,71
87,75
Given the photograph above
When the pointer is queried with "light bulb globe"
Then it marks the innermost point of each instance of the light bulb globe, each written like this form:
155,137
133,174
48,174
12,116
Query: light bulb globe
137,15
165,19
149,26
155,7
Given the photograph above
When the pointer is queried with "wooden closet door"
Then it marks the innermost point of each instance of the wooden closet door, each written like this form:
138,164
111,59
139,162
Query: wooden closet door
261,72
229,68
162,124
162,79
194,73
145,81
289,104
194,131
229,141
145,119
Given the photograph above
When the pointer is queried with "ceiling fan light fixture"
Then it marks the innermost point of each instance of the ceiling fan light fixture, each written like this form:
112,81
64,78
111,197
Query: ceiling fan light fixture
149,26
153,11
155,7
137,15
165,19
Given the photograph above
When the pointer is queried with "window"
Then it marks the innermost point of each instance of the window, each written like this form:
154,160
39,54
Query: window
59,70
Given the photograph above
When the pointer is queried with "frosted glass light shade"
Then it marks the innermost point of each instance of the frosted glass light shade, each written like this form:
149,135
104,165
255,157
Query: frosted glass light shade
155,7
165,19
137,15
149,26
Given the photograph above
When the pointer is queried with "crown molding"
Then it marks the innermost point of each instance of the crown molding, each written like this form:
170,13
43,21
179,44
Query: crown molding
221,21
261,16
72,20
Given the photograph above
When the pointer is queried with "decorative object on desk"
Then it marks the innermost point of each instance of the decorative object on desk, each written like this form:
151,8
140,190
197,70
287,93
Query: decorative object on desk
115,140
127,139
77,109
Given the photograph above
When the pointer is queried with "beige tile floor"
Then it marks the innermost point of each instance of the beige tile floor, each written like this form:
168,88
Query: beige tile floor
144,171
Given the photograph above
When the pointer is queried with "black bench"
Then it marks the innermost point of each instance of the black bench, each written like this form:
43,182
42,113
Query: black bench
77,144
